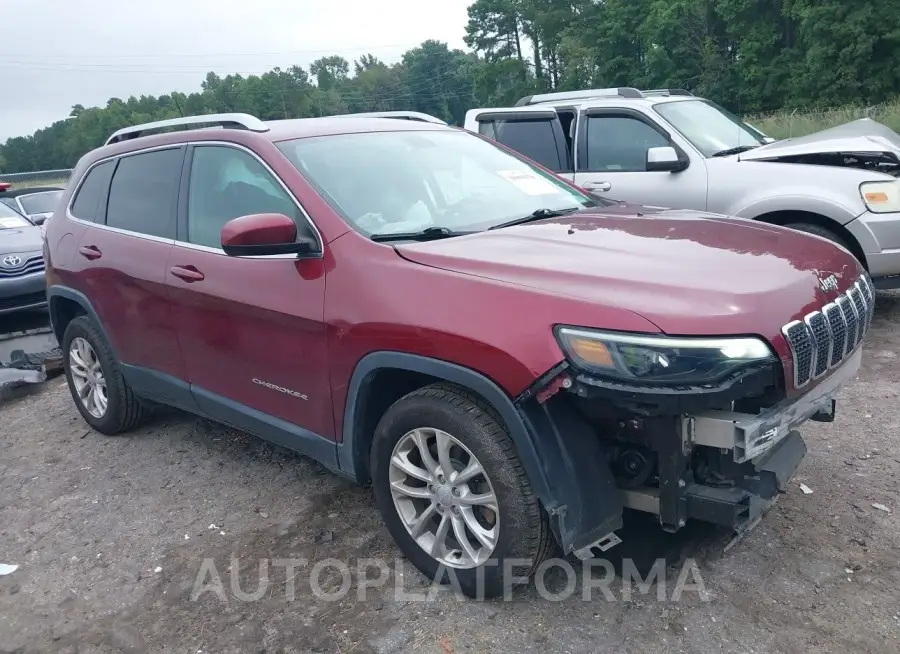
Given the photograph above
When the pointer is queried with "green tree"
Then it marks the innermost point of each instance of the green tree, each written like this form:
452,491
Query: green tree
749,55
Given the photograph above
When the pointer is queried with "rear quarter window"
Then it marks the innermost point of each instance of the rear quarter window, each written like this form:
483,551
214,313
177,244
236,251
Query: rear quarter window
91,192
43,202
533,138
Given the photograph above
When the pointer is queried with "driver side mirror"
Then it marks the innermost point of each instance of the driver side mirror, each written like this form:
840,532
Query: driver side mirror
665,159
265,233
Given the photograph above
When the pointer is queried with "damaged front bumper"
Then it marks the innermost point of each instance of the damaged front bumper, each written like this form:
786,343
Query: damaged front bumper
721,467
755,457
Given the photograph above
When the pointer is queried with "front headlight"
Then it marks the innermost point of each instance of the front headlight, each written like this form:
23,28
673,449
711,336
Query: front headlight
881,197
660,359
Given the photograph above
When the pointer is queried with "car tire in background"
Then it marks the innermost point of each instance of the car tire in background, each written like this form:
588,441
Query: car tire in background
486,499
99,389
818,230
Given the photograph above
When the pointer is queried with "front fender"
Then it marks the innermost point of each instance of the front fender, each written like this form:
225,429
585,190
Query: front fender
823,203
559,452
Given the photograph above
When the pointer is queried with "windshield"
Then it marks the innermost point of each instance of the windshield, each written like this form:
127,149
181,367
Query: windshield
408,181
40,202
11,219
709,127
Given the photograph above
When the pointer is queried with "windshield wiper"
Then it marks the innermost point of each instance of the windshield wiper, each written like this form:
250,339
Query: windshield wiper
737,150
428,234
539,214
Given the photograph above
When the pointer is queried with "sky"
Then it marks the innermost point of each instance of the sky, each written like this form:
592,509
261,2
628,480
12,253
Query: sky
55,54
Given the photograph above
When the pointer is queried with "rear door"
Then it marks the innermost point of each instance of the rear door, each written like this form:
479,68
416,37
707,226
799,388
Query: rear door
251,328
129,206
611,147
535,132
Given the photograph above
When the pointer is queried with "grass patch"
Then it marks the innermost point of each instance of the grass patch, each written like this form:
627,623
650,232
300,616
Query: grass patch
31,183
785,124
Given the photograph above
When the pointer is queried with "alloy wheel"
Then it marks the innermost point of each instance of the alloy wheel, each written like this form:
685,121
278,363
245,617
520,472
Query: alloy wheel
444,498
87,377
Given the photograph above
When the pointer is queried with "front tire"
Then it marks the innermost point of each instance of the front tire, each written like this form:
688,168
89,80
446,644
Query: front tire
101,394
453,492
818,230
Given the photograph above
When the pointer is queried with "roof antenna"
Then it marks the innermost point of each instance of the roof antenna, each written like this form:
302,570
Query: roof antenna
177,105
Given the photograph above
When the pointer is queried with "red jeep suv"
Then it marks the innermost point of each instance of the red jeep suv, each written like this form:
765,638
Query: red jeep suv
509,361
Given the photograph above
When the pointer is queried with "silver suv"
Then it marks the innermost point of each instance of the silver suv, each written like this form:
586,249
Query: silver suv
669,148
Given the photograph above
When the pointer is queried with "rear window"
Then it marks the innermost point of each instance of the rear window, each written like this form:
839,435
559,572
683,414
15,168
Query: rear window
533,138
92,190
44,202
144,193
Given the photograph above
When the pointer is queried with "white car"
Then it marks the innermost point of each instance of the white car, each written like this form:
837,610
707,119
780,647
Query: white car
37,202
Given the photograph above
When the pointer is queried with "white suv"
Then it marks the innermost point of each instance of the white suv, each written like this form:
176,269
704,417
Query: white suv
669,148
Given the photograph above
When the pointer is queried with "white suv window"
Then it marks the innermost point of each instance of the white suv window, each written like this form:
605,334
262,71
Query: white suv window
620,143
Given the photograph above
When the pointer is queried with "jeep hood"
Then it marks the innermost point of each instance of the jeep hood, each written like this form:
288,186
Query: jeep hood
855,141
687,272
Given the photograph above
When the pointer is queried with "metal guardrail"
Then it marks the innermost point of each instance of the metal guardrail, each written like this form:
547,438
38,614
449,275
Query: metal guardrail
57,177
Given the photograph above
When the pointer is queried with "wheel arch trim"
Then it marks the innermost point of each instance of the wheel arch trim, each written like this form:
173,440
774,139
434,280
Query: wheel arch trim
354,450
56,292
561,456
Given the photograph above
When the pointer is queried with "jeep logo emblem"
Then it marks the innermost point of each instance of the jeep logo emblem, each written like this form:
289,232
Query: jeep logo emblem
829,283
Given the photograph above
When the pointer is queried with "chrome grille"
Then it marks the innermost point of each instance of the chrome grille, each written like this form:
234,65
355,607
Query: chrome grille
826,337
30,265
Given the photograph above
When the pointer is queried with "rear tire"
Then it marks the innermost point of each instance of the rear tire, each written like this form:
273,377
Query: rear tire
98,388
518,525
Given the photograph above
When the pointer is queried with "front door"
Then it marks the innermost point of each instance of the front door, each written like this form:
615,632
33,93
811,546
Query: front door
121,263
611,160
251,328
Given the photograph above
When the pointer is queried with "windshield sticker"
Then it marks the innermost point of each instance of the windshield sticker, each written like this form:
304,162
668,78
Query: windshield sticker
529,182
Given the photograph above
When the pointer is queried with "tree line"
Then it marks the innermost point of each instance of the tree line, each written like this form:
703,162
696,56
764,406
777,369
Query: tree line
749,55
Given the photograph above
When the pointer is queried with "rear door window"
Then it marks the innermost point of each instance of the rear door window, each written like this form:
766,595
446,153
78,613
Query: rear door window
536,139
143,196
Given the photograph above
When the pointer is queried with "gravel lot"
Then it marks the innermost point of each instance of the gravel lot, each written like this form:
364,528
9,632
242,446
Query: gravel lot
111,534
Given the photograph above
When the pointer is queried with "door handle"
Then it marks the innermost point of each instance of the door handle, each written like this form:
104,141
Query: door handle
90,252
597,186
187,273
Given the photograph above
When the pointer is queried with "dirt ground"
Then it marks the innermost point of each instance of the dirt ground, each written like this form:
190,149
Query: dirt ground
111,535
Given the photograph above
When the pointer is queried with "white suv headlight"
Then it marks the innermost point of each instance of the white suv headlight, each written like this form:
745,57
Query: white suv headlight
881,197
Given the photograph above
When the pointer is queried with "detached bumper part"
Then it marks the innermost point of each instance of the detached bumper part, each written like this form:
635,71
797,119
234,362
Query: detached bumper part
751,435
727,468
736,507
754,486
